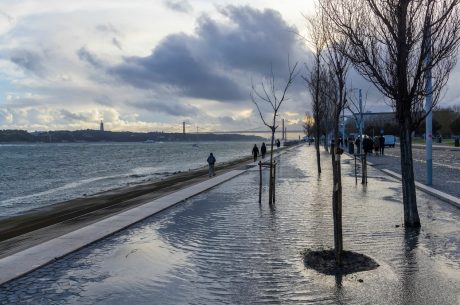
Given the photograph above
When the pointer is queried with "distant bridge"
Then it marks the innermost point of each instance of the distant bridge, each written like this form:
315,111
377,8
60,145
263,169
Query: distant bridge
252,131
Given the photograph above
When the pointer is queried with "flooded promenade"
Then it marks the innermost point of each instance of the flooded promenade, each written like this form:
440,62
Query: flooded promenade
222,247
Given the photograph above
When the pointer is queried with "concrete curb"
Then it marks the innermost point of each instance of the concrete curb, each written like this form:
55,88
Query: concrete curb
427,189
23,262
438,194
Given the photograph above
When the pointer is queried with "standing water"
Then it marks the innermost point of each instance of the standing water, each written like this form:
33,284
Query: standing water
223,247
36,175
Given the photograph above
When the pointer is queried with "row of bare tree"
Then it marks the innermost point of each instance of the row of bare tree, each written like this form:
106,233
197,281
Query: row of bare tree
397,45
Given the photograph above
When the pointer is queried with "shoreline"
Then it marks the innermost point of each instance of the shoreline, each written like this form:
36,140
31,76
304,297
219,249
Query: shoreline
37,226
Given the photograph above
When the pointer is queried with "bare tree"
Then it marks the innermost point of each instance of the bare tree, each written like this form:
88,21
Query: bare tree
270,95
338,65
397,44
316,40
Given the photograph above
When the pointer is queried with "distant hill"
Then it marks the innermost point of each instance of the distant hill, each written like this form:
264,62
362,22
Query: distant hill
60,136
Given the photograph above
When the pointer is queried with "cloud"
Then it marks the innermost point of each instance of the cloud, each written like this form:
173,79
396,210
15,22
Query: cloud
28,60
254,41
174,109
67,115
87,56
216,62
182,6
117,43
103,100
174,65
107,28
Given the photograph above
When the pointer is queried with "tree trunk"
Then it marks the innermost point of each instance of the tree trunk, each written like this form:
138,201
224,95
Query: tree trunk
411,218
326,147
337,198
318,155
270,183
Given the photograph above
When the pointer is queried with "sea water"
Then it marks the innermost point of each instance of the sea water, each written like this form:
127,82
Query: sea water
37,175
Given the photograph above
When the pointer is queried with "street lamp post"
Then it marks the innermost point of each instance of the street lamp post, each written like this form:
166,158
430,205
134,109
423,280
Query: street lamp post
361,122
429,117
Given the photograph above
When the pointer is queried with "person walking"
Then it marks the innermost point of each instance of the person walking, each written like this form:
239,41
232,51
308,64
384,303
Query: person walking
255,152
376,146
382,144
211,161
278,143
263,150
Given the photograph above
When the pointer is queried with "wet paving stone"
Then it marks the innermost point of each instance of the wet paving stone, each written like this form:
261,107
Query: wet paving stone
223,247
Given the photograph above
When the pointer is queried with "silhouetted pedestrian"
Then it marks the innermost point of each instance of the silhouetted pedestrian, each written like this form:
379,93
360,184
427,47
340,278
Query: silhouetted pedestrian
382,144
278,143
358,146
368,144
263,150
255,152
211,161
376,145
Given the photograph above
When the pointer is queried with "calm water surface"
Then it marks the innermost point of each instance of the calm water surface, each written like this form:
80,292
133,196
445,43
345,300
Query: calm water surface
35,175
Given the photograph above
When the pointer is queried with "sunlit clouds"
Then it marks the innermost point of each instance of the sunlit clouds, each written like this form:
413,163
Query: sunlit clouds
146,65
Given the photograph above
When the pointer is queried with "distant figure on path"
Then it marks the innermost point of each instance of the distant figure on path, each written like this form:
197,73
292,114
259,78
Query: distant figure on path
278,143
382,144
368,144
255,152
376,145
211,161
263,150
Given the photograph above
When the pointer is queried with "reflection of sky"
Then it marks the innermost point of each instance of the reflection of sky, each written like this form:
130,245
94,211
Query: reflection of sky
222,247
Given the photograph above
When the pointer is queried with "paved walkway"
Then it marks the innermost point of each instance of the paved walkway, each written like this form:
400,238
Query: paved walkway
446,166
222,247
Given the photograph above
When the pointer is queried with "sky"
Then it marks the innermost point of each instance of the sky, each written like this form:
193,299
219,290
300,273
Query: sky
143,65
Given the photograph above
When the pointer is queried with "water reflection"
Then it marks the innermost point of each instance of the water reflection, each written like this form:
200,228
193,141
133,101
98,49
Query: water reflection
222,247
409,277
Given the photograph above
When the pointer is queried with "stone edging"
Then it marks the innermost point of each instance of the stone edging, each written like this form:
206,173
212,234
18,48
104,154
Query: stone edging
28,260
427,189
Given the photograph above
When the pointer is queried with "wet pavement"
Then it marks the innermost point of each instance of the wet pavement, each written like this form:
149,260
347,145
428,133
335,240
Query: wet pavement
446,166
222,247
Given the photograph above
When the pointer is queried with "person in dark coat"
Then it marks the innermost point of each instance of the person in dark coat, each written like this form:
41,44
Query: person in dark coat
368,144
211,161
263,150
255,152
357,143
278,143
382,144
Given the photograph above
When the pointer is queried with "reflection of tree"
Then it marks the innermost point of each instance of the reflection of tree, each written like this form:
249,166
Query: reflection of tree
410,268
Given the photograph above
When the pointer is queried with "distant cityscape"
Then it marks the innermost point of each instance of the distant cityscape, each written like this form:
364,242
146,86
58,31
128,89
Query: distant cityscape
88,135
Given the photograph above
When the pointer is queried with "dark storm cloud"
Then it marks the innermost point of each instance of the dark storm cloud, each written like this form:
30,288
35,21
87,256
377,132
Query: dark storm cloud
175,109
182,6
261,39
28,60
218,60
173,64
